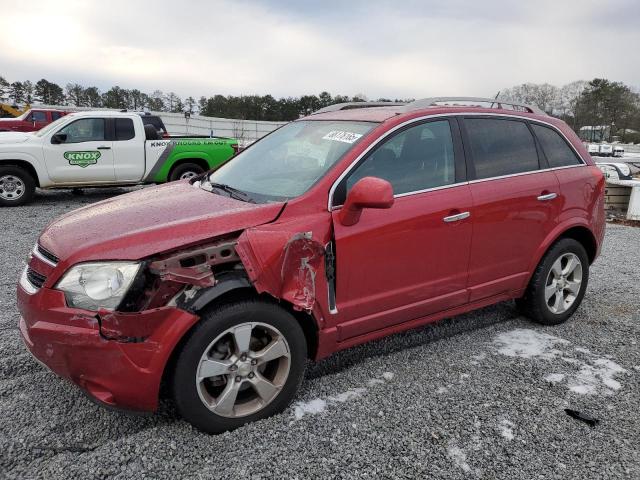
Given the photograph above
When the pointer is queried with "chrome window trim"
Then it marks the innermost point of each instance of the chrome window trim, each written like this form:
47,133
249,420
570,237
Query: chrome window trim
36,253
452,114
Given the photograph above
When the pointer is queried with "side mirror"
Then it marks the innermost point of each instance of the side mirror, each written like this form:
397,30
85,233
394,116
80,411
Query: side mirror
368,192
59,138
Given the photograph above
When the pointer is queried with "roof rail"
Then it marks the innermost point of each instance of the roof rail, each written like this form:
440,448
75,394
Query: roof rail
353,105
473,102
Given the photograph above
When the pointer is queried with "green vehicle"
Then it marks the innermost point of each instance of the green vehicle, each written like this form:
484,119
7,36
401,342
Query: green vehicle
93,149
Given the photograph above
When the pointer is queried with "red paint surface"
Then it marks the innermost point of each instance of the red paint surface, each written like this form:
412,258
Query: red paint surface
396,268
17,125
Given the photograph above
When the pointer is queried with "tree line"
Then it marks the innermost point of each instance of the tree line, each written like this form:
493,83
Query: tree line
599,102
252,107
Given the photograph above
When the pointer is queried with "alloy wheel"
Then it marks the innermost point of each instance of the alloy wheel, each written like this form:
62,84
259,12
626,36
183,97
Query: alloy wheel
243,369
11,187
563,283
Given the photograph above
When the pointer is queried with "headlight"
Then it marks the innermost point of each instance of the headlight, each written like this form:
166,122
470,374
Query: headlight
93,286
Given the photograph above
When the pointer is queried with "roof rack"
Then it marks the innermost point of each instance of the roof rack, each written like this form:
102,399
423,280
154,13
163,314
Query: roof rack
353,105
472,102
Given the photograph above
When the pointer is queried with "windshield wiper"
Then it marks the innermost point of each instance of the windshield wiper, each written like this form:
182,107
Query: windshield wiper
233,192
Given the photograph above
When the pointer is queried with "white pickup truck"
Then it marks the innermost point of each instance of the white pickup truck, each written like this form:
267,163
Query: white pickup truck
101,148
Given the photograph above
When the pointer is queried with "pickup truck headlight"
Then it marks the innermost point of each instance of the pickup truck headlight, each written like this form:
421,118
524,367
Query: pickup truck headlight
95,286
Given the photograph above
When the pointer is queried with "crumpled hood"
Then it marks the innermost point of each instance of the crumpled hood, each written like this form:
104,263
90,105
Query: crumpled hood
13,137
150,221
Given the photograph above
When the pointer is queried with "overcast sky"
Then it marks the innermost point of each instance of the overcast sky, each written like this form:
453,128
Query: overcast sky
407,48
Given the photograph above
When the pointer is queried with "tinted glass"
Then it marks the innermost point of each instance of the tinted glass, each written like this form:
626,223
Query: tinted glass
155,121
418,158
501,147
555,148
124,129
84,130
55,115
39,117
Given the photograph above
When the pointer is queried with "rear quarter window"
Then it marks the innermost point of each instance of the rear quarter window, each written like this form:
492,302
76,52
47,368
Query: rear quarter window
500,147
555,148
124,129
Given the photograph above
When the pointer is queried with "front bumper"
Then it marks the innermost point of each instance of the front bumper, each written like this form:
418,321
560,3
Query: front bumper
124,373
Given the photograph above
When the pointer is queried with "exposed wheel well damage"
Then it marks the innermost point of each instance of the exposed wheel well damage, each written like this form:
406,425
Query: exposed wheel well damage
24,165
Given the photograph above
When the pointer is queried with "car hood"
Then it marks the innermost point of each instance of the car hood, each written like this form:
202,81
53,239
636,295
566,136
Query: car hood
150,221
13,137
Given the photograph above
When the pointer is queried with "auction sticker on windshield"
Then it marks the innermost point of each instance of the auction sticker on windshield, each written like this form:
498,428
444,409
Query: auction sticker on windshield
340,136
82,159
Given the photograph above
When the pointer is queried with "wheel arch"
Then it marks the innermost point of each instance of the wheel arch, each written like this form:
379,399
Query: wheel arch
200,161
25,165
230,290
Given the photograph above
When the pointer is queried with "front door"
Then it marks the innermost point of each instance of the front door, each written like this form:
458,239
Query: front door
411,260
85,156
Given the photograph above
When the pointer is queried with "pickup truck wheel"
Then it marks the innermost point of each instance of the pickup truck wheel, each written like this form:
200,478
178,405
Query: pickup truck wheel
243,362
185,171
17,187
558,284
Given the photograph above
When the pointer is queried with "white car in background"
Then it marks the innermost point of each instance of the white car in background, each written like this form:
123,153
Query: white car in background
593,149
606,150
618,151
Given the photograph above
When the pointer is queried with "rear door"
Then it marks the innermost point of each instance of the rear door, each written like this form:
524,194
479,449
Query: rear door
128,149
411,260
86,156
515,202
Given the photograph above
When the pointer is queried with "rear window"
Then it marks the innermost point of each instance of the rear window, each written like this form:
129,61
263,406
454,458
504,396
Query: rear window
124,129
555,148
501,147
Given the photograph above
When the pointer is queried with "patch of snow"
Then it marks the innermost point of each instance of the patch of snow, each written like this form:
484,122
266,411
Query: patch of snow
506,429
313,407
348,395
525,343
319,405
555,377
458,457
595,374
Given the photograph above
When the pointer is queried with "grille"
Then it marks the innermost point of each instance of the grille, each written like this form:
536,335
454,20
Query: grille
36,279
47,254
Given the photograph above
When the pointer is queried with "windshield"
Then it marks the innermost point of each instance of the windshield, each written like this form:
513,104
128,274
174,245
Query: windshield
52,126
286,163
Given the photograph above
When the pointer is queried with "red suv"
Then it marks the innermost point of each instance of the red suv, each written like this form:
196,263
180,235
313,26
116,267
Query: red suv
31,120
336,229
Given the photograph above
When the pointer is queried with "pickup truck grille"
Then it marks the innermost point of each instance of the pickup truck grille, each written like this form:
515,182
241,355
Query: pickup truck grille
47,254
36,279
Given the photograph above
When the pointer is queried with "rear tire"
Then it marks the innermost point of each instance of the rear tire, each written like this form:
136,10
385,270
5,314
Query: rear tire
185,171
558,284
17,186
219,383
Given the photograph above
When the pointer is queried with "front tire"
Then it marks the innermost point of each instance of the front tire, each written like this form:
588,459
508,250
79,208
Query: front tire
185,171
17,186
243,362
558,284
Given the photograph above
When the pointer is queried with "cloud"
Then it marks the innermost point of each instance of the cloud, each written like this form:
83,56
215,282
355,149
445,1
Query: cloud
412,49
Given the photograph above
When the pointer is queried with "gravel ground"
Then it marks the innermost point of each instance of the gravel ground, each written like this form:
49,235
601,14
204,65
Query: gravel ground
477,396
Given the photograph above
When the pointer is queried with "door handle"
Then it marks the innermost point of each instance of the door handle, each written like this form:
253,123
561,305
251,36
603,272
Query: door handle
547,196
457,217
104,148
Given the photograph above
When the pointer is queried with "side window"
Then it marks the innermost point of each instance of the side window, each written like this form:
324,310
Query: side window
84,130
124,129
501,147
417,158
55,116
555,148
39,117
